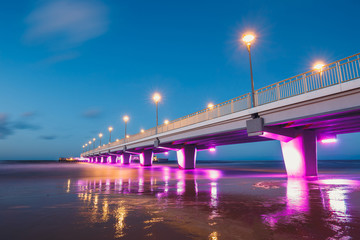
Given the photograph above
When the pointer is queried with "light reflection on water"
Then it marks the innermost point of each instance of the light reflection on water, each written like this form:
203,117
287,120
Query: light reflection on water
171,189
131,202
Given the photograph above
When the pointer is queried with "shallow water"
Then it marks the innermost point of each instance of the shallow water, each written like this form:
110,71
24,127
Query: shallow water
251,200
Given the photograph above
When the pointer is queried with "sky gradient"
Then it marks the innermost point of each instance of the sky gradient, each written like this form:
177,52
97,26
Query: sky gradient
69,69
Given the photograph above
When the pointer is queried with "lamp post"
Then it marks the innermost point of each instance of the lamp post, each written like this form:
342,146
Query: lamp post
247,39
100,136
89,145
157,98
319,66
83,148
126,119
110,130
86,146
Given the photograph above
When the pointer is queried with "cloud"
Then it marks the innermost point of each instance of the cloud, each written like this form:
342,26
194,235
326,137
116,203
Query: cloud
48,137
5,128
91,113
28,114
24,125
8,127
66,22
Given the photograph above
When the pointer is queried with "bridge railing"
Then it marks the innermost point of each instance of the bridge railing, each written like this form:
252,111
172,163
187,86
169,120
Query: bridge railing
343,70
337,72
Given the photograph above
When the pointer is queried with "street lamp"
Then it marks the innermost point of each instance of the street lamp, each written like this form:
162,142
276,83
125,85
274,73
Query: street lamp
94,142
100,136
166,122
210,106
156,98
110,130
126,119
89,145
319,67
83,148
86,146
142,130
248,38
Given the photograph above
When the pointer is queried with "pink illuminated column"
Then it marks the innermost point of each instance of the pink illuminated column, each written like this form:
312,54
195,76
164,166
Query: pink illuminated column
146,158
113,159
300,155
186,157
125,158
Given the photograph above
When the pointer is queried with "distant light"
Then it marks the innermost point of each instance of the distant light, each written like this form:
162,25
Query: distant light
210,106
94,139
110,129
89,142
117,140
156,97
319,66
329,140
166,122
127,136
126,118
142,130
100,135
248,38
212,149
166,153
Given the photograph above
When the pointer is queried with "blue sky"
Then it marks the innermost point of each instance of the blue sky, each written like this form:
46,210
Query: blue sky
69,69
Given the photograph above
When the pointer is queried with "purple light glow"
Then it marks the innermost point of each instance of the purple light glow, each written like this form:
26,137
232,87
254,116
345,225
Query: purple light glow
166,153
212,149
329,140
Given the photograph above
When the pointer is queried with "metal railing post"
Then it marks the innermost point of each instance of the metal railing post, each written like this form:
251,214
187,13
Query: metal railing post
305,83
278,91
232,106
338,71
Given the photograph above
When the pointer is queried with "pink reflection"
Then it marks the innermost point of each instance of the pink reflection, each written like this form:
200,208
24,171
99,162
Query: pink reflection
297,194
293,157
212,174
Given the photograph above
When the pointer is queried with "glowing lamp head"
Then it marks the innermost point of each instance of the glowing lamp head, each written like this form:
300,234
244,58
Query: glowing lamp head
166,122
127,136
126,118
166,153
328,140
212,149
248,38
89,142
117,140
319,66
110,129
85,145
210,106
156,97
100,135
94,139
142,130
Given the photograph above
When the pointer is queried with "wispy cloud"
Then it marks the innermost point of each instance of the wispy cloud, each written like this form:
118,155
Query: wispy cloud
91,113
5,128
8,127
48,137
66,22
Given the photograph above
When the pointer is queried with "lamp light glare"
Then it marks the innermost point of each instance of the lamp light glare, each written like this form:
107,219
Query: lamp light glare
110,129
247,38
212,149
126,118
156,97
210,106
166,122
319,66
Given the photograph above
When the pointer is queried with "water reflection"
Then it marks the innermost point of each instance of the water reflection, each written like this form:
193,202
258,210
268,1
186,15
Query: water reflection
202,200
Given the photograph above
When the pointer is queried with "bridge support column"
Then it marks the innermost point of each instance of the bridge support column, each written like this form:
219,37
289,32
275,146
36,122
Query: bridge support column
146,158
186,157
102,159
113,159
300,155
125,158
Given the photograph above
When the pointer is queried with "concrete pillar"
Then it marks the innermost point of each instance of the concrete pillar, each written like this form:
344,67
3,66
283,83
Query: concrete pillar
113,159
146,158
300,155
186,157
125,158
101,159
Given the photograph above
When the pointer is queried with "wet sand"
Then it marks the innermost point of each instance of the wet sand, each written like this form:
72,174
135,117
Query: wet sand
251,200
